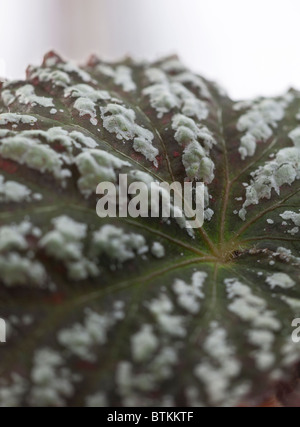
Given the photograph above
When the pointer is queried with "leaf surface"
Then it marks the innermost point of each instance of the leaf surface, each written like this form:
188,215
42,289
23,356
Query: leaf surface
144,312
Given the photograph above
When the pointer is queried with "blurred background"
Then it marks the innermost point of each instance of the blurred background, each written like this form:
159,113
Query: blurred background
251,47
